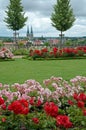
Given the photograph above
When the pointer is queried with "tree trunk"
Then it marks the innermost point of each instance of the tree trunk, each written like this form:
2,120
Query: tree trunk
61,40
16,39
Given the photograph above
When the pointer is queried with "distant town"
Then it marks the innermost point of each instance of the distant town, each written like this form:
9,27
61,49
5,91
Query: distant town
30,40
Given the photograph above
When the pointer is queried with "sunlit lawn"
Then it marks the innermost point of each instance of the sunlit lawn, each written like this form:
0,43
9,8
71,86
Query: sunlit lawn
22,69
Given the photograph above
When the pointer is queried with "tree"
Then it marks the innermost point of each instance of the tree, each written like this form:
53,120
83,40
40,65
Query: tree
62,17
15,16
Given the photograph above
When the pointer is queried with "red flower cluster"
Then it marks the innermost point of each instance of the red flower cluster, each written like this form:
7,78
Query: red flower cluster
44,50
68,50
32,101
51,109
81,96
70,102
56,52
3,119
84,112
81,101
35,120
19,107
55,49
38,103
63,121
3,49
75,50
1,101
80,104
37,52
81,48
3,106
35,103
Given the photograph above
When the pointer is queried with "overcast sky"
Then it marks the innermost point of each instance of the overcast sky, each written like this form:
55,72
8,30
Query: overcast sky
39,13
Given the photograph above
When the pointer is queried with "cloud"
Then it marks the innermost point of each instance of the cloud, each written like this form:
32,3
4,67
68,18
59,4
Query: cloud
43,7
79,7
39,13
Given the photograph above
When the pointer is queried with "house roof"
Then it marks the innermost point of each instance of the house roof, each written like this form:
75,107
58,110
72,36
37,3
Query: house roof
54,41
37,42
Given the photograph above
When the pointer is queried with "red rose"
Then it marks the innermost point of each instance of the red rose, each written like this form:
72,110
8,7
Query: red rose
24,102
31,101
1,101
25,111
63,121
3,106
3,119
75,96
38,103
51,109
84,112
35,120
80,104
70,102
19,107
82,96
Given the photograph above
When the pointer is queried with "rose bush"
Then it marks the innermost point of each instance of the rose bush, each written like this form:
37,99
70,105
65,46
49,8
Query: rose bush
56,52
5,53
59,105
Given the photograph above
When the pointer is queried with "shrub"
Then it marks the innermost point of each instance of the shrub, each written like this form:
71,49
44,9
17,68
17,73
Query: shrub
30,106
55,52
5,53
20,52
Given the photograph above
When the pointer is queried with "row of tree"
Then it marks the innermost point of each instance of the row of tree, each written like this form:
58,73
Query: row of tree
62,17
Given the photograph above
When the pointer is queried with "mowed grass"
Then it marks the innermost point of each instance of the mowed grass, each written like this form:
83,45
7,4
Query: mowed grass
21,70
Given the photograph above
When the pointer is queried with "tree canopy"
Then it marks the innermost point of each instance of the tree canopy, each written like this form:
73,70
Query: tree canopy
15,18
62,17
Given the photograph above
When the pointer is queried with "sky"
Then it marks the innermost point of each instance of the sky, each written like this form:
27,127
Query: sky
39,13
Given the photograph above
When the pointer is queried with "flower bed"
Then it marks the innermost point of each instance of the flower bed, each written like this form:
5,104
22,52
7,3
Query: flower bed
56,53
5,54
59,105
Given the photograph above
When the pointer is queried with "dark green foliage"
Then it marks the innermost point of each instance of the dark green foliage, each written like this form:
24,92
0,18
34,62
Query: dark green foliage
15,16
62,17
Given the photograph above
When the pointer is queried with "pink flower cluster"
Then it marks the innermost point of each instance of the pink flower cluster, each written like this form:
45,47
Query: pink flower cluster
32,98
61,88
6,53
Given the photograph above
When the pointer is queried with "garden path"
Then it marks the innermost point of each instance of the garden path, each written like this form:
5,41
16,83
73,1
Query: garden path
19,56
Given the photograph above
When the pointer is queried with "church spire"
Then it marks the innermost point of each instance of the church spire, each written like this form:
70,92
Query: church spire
28,33
31,34
31,30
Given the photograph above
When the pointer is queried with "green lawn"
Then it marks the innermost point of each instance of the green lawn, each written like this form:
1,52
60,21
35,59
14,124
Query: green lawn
22,69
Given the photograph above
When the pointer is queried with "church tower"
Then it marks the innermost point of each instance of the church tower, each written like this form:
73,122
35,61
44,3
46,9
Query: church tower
28,33
31,33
